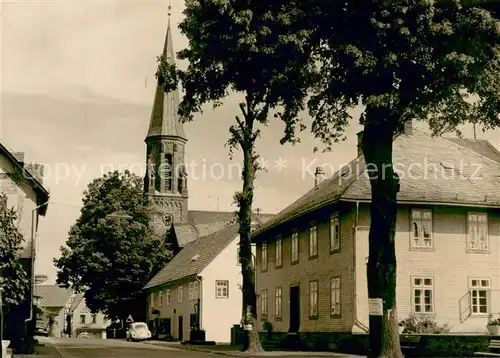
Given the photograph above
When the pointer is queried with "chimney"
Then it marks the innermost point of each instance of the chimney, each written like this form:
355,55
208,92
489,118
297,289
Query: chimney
360,148
19,156
408,128
318,176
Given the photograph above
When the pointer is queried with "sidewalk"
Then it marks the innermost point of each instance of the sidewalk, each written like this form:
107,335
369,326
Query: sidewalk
233,353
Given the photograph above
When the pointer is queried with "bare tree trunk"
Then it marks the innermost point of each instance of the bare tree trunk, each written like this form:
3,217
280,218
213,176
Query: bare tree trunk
245,199
381,268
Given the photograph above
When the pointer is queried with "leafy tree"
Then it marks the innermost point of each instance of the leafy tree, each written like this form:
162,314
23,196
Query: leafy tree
401,61
109,258
228,51
13,277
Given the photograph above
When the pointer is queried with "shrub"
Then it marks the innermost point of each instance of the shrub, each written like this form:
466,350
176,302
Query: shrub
422,324
492,321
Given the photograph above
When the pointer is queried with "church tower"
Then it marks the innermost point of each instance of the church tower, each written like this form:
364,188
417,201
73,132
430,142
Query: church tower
166,176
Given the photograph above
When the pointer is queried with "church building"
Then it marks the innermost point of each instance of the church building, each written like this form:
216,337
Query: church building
205,243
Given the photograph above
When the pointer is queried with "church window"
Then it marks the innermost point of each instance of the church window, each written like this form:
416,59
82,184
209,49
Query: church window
168,172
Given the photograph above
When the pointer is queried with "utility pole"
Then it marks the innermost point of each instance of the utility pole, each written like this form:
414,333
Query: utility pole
474,126
1,321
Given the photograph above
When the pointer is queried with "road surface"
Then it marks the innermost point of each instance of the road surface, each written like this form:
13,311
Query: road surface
108,348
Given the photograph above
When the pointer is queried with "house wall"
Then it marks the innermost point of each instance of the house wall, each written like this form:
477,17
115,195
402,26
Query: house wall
218,315
57,328
23,199
326,266
82,309
447,263
175,309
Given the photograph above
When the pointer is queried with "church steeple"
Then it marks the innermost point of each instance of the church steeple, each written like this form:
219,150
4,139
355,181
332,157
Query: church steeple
166,177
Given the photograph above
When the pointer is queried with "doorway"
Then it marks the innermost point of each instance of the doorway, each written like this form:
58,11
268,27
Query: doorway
181,329
294,309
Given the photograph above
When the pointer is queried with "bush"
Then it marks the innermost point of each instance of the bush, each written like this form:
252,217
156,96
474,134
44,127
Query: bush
422,324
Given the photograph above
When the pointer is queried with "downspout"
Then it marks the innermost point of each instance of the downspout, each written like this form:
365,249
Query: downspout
33,254
198,279
357,323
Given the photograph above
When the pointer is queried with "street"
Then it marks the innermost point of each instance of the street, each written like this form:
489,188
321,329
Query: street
108,348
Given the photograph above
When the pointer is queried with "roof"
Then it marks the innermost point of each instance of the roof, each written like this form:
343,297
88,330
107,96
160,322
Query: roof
76,302
480,146
164,116
40,190
195,256
52,295
433,170
203,223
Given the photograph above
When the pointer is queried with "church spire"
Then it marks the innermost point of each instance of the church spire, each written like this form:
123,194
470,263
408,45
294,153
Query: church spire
164,117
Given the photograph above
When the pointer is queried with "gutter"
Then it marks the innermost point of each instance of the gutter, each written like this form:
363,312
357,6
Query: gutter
423,202
33,254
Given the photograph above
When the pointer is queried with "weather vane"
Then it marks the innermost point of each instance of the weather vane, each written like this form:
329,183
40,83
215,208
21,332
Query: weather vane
169,8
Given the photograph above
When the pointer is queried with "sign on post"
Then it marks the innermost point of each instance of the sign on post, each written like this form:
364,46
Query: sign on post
40,279
129,319
375,307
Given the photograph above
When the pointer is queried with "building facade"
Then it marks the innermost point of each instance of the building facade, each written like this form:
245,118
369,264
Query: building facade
22,184
199,288
83,323
311,257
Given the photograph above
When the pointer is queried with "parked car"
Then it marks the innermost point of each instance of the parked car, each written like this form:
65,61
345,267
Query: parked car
41,329
138,331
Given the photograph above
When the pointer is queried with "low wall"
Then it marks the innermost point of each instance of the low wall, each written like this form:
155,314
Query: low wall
436,345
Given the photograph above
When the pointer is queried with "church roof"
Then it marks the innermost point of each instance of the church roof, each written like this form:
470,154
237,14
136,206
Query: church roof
432,170
195,256
164,117
202,223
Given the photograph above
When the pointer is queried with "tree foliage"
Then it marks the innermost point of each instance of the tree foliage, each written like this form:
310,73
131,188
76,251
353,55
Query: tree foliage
111,259
13,277
229,48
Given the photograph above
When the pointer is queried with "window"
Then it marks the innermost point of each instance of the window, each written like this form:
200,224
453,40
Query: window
94,318
295,246
313,241
263,304
313,299
152,300
168,296
479,291
421,222
82,319
264,257
179,294
221,289
277,312
334,233
193,291
161,298
335,296
279,252
423,295
477,232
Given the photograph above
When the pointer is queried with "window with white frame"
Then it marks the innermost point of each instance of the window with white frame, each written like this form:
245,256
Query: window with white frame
477,232
334,232
152,299
313,241
221,289
421,227
179,294
193,291
161,298
277,310
263,256
263,304
168,296
335,296
313,299
423,294
279,252
479,291
295,246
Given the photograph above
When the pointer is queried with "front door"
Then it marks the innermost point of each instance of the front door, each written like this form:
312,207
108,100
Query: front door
181,329
294,309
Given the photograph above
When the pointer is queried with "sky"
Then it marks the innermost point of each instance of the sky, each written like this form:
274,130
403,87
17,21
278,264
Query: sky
76,92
